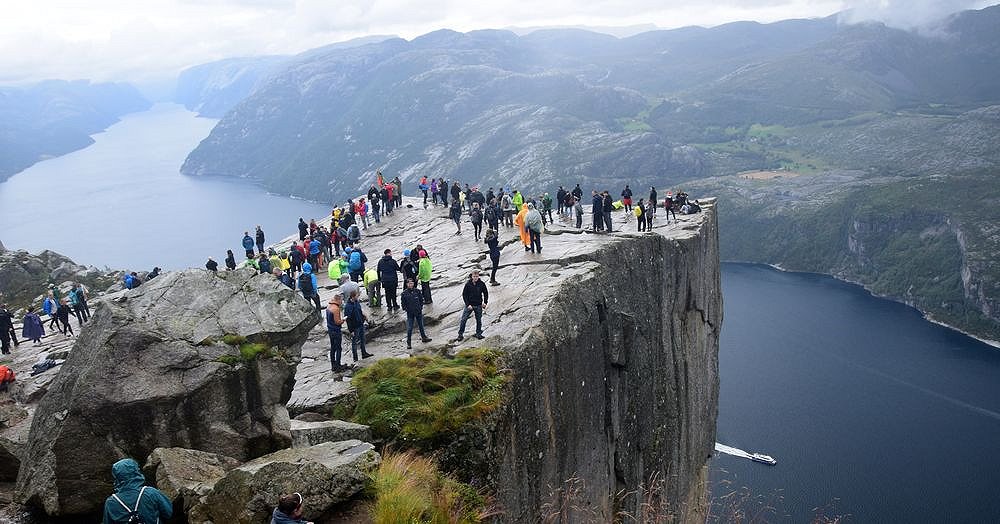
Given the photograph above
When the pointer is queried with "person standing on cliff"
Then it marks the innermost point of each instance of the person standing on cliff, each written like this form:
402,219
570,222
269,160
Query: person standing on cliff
356,319
303,229
308,286
597,211
6,329
334,323
32,329
476,297
608,207
62,314
248,244
413,304
387,269
133,495
260,240
493,242
424,274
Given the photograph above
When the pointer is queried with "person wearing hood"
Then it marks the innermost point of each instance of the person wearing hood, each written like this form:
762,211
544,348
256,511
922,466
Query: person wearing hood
309,286
32,328
133,495
289,510
522,228
248,244
303,229
534,223
230,260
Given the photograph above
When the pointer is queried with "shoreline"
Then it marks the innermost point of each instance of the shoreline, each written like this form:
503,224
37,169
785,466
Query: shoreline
924,314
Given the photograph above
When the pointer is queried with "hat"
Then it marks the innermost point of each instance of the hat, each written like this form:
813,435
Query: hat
347,250
406,252
423,253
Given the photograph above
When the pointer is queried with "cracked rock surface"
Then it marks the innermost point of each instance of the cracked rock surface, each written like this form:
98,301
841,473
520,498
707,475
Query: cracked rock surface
147,372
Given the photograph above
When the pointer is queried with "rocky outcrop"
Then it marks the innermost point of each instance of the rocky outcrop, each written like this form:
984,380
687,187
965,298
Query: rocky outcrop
151,369
25,277
185,475
611,342
305,434
325,474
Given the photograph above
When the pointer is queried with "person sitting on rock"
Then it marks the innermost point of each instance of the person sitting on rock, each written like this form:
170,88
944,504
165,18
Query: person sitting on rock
133,496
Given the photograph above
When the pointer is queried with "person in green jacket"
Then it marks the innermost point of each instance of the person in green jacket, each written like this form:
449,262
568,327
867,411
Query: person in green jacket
133,495
373,286
518,201
336,268
424,276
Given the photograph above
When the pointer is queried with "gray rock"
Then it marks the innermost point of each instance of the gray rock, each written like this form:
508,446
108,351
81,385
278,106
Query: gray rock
146,373
325,474
310,416
14,424
185,475
305,434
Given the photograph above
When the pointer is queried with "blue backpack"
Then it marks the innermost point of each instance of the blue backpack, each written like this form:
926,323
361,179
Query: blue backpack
355,261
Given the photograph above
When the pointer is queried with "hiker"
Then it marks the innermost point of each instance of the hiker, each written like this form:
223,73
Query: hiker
476,215
597,210
640,216
434,191
373,286
517,200
476,297
547,208
133,499
668,208
535,224
353,235
7,377
361,210
334,323
355,262
6,330
578,210
49,306
413,304
308,286
424,270
456,214
397,188
423,188
627,197
152,274
652,202
356,318
456,191
375,203
347,286
76,302
493,242
260,239
607,207
264,264
62,314
577,192
32,329
230,260
212,265
248,244
283,278
407,267
288,510
387,269
522,228
507,207
303,229
560,200
492,215
443,191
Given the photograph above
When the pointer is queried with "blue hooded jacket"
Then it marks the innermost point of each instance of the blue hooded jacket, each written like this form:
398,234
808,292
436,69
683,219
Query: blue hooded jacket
247,242
307,269
155,508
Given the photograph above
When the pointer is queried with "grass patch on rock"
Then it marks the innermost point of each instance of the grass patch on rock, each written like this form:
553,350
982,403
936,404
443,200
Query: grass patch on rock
248,351
423,398
407,487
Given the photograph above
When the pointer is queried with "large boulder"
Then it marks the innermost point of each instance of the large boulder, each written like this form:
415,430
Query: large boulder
157,366
305,434
325,474
185,475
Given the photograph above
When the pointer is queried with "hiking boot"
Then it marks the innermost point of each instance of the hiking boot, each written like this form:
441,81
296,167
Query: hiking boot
494,283
460,338
425,340
479,336
409,346
367,355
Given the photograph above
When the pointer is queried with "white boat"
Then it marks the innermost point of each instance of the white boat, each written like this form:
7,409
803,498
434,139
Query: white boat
762,458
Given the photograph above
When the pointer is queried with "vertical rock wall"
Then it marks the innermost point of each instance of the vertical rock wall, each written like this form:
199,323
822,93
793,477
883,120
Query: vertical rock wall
618,384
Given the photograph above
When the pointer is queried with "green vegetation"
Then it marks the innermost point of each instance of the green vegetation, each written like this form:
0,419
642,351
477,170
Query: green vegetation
248,351
409,488
423,398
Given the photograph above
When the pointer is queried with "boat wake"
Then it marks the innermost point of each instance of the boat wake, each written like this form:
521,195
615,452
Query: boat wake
756,457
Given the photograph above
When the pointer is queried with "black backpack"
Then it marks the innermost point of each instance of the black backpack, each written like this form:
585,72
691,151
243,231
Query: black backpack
354,316
306,285
133,514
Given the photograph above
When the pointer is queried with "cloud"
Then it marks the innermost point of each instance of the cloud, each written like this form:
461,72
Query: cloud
155,39
906,14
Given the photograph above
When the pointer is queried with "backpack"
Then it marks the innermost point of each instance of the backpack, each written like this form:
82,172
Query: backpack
354,317
355,261
287,280
477,216
133,514
490,214
6,375
306,285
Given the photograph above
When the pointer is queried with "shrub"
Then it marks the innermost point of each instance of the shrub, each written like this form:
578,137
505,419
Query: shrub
409,488
422,398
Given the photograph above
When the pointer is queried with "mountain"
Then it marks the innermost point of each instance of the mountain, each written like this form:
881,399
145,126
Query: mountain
55,117
214,88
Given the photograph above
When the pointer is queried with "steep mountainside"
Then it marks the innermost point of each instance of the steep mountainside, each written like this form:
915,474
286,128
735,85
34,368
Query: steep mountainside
55,117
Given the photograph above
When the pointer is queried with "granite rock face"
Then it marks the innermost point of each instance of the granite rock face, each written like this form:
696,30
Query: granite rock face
185,475
325,474
148,372
305,434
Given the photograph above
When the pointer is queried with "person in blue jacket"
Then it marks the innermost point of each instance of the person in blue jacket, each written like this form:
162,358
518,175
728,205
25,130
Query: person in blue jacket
248,244
132,494
308,285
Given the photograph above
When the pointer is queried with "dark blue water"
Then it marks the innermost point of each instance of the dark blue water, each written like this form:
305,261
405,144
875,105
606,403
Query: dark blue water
864,404
123,203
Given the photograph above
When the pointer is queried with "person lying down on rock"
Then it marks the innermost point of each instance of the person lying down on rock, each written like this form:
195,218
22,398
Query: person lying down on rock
289,510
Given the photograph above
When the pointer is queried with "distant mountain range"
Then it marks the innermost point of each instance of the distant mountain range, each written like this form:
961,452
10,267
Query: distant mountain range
55,117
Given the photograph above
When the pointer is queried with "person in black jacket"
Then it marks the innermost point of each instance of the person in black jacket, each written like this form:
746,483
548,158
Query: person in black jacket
597,209
230,260
260,240
476,297
652,200
407,267
303,229
387,269
63,315
413,304
608,208
494,244
6,330
212,265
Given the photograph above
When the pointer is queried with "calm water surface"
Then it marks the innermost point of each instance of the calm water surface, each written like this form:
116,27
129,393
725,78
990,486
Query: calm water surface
859,399
123,203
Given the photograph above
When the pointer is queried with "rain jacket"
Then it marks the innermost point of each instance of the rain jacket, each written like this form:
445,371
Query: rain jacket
519,221
154,507
335,268
424,269
518,201
308,269
247,242
533,220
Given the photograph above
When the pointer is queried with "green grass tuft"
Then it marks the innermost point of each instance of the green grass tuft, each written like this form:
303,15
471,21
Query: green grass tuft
234,340
423,398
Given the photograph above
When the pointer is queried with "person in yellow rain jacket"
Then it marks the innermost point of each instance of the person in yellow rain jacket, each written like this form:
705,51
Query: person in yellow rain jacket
519,221
518,201
373,286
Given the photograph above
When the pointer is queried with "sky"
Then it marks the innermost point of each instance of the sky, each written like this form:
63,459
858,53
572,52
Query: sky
151,40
